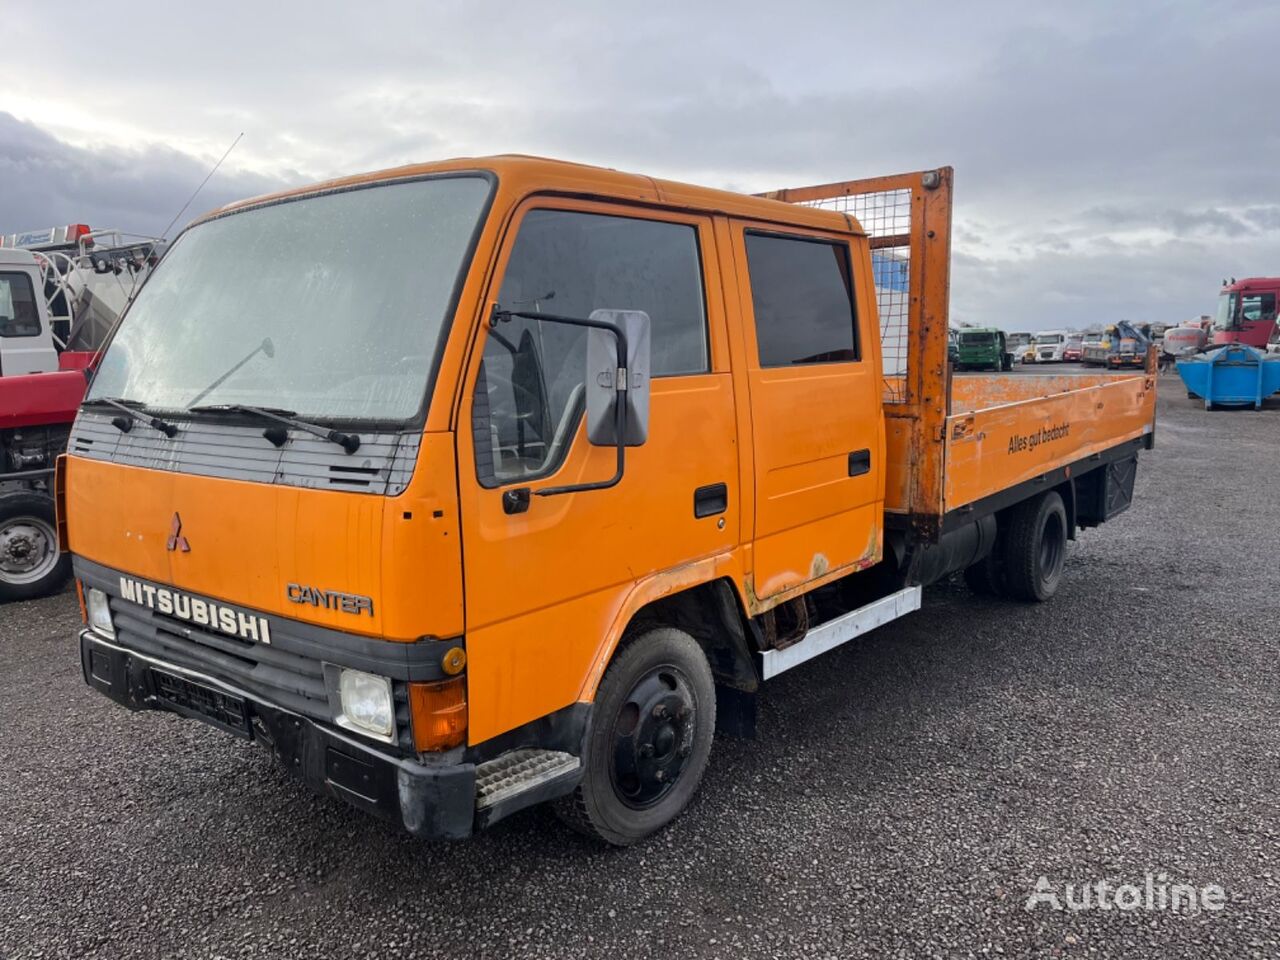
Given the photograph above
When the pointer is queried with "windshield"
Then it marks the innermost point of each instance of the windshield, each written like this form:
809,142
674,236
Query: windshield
978,339
1226,310
1042,338
335,303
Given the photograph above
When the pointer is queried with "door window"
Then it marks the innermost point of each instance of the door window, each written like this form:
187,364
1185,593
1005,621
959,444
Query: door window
1258,306
802,293
529,393
18,314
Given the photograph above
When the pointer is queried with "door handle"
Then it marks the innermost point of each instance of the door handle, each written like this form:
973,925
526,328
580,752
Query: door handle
710,500
859,463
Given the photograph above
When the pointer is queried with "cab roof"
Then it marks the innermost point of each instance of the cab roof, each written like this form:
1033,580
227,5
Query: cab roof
520,175
17,256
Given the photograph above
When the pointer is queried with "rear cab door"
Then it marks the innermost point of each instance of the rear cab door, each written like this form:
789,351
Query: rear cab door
813,371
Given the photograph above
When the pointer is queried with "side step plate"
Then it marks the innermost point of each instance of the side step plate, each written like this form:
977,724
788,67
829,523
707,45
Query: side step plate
829,635
519,772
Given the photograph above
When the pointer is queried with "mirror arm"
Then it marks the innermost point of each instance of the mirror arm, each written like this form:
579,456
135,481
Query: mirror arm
620,410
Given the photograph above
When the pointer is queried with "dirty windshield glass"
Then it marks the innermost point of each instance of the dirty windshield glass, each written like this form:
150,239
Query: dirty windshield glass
331,305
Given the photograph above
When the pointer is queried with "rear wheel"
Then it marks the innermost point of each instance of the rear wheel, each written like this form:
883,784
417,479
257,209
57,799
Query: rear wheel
1035,548
654,716
31,565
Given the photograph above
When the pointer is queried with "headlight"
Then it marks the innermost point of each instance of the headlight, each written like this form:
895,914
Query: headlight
365,704
98,610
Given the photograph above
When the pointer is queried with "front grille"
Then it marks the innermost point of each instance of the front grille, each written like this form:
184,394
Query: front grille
286,679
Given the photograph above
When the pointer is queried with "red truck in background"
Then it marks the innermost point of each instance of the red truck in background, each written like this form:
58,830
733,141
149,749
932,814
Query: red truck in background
61,292
1247,311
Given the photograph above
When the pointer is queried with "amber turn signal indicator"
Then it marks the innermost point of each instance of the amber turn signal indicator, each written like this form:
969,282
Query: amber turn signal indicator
439,714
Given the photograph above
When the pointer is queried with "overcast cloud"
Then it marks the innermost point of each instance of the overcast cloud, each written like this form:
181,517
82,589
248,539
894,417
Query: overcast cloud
1112,160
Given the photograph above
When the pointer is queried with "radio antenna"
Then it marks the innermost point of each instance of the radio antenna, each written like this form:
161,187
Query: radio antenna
165,232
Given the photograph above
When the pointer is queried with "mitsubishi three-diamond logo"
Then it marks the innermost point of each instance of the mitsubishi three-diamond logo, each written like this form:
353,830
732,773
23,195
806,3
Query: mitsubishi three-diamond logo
176,540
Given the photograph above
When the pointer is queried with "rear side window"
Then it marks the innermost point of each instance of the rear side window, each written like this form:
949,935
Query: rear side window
18,314
802,293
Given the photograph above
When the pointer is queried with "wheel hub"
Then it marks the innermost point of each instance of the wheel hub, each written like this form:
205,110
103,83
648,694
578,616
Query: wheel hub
653,737
27,550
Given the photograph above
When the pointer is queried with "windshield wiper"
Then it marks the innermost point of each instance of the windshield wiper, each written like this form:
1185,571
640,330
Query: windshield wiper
136,411
265,347
278,435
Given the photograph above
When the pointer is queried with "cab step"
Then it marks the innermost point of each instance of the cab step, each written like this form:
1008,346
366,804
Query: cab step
827,636
522,778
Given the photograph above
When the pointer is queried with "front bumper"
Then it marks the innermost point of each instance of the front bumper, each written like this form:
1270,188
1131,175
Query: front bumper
430,801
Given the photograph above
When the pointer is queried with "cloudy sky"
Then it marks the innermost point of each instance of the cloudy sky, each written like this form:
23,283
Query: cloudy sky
1112,159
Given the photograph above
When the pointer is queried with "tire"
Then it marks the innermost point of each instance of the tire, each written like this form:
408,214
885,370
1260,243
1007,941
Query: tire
654,717
1035,548
31,565
986,578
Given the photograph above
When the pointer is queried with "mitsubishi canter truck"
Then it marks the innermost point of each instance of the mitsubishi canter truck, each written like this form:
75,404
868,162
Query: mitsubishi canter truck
471,485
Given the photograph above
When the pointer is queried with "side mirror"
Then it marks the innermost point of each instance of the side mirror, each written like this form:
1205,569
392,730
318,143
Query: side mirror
602,373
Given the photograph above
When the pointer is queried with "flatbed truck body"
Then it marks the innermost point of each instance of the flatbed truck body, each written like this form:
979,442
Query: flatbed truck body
531,529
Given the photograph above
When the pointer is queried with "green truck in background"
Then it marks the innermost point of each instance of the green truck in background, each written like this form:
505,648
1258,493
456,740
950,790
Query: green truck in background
982,348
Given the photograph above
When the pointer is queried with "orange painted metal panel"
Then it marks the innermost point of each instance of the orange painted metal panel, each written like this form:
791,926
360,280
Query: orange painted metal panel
544,587
996,448
248,541
899,457
973,393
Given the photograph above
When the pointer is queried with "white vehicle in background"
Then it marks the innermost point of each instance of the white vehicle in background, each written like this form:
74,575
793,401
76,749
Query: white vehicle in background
61,292
1049,345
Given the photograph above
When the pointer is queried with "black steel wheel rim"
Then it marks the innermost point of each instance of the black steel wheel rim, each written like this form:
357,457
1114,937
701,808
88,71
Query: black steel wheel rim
652,736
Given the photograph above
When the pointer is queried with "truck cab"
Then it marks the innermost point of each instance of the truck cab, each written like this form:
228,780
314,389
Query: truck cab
26,335
476,484
1049,346
38,400
982,348
1247,312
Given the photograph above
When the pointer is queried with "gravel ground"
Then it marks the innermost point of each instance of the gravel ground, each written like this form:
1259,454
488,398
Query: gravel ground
902,799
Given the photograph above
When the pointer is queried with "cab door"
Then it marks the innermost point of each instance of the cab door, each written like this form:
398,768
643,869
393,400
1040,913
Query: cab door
545,579
817,428
25,343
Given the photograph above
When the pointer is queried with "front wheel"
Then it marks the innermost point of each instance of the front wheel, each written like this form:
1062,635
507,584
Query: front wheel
31,565
654,716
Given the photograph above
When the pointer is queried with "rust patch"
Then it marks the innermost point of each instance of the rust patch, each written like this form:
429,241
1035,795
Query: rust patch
754,606
819,566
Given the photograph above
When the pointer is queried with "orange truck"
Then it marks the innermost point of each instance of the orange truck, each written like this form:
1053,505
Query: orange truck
471,485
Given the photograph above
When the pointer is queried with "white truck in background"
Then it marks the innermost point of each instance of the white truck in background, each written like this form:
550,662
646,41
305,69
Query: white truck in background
61,292
1049,345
